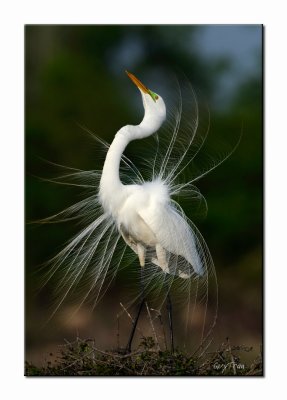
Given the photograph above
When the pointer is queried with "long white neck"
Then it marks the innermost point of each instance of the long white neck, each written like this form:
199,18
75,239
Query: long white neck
110,175
112,191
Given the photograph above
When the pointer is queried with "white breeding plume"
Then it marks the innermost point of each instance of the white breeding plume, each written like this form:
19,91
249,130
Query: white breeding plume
125,217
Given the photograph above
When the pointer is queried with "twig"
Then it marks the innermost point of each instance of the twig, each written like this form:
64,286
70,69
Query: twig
145,364
152,327
231,356
118,331
159,316
77,360
130,317
121,356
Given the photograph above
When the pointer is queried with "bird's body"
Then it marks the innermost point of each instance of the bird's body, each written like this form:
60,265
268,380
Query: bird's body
145,218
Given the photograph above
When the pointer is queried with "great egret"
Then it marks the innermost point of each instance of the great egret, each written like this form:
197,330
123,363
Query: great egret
145,214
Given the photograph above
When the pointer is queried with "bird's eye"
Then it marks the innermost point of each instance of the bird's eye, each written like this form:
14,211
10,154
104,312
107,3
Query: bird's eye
153,95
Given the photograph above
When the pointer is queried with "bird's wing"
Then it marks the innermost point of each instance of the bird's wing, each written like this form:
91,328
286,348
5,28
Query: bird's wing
174,233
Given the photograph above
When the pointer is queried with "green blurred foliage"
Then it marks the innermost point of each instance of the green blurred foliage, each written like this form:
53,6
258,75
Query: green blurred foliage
75,76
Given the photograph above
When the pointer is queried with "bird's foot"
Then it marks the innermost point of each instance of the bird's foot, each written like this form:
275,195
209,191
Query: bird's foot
163,266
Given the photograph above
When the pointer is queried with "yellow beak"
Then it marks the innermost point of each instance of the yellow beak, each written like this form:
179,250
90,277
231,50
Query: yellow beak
137,82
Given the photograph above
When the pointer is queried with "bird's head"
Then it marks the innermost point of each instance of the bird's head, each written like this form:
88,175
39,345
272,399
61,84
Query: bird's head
155,111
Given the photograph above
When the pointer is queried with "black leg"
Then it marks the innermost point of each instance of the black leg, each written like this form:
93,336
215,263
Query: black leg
169,310
135,322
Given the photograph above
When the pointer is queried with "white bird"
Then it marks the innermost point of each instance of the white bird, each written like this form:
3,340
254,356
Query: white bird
121,204
144,213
